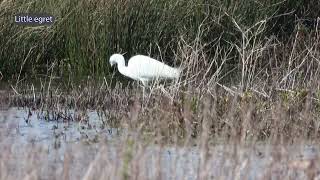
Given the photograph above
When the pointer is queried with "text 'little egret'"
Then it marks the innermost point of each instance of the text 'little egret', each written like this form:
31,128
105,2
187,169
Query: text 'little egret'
144,68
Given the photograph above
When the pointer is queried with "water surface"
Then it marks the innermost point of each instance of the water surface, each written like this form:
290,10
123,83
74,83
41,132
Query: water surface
30,144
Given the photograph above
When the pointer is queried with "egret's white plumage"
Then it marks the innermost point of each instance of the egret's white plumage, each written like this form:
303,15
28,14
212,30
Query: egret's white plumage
144,68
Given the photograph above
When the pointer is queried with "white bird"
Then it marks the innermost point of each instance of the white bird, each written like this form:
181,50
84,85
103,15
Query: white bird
143,68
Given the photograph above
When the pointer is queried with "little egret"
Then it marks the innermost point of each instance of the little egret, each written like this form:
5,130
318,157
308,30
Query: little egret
143,68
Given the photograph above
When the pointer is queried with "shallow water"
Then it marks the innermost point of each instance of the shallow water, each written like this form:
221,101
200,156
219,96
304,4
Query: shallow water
52,148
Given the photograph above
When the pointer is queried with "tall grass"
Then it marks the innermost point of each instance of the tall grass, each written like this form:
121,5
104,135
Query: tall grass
86,33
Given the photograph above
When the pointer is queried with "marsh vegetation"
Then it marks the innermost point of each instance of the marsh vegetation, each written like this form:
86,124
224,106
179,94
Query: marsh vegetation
246,107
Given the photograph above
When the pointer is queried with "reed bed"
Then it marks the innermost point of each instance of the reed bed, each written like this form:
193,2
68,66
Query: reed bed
86,33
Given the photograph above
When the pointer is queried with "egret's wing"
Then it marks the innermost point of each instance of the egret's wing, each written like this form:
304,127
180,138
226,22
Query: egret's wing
146,67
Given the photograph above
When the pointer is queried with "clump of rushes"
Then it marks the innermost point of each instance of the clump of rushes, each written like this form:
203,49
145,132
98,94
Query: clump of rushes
243,117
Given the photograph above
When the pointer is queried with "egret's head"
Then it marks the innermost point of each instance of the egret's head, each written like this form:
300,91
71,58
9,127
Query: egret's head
116,59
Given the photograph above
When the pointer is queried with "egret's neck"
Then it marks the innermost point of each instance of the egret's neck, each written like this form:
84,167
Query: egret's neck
120,63
123,69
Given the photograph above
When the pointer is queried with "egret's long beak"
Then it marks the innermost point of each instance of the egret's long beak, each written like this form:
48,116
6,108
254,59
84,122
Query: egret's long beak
112,63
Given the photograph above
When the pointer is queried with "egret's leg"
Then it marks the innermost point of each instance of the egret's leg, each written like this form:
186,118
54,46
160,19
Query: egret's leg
144,84
143,92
